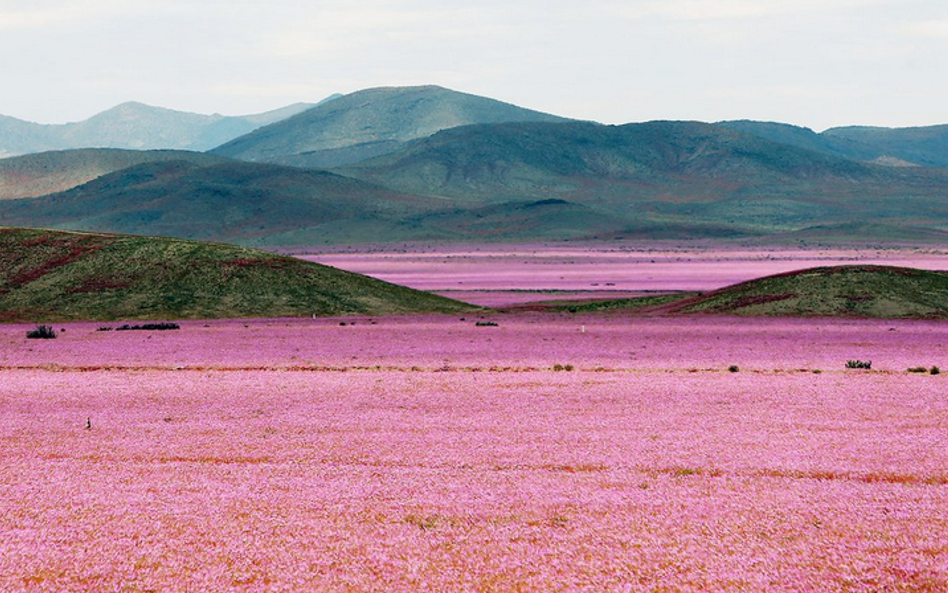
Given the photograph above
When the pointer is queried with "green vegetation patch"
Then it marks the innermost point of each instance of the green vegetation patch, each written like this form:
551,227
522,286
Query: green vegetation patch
52,275
840,291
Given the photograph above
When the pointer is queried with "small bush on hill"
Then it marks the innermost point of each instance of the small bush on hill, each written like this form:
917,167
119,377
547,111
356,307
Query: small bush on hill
563,367
859,364
733,368
42,332
486,324
935,370
918,370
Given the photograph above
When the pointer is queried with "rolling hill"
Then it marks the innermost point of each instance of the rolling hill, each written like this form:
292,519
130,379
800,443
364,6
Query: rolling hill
135,126
54,276
516,182
925,146
369,123
45,173
662,173
838,291
233,202
900,147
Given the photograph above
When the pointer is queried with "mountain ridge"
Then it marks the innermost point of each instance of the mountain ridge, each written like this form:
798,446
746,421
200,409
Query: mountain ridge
135,125
368,123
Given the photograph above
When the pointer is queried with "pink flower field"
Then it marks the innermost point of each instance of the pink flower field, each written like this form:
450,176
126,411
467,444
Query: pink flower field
427,454
498,275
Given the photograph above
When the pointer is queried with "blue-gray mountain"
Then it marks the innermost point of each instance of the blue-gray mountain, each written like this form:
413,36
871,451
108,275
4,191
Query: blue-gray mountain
370,123
426,163
135,126
906,147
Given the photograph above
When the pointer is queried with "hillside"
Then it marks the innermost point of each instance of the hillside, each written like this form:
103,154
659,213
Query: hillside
135,126
924,146
662,173
231,202
370,123
50,172
805,138
841,291
52,276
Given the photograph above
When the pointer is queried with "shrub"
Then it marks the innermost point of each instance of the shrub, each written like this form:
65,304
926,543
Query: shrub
918,370
563,367
104,328
42,332
485,324
733,368
935,370
859,364
149,326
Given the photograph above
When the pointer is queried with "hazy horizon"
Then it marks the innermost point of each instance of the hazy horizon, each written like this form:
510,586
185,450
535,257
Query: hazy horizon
817,64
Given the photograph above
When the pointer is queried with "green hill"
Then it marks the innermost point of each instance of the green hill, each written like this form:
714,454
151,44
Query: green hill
663,174
369,123
925,146
52,276
839,291
50,172
232,202
921,146
675,160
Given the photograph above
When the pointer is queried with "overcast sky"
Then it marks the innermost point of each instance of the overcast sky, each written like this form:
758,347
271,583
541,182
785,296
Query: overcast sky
817,63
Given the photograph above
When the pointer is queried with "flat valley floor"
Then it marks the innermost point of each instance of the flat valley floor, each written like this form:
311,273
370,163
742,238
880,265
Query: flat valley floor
550,452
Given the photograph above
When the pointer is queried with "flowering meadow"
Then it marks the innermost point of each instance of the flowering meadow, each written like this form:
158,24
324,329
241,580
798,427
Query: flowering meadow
547,453
500,275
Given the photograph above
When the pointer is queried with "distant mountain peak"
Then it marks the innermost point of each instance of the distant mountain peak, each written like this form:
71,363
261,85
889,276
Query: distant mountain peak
135,125
369,123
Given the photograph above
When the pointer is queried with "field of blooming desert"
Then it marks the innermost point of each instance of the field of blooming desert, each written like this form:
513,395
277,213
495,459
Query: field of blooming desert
544,453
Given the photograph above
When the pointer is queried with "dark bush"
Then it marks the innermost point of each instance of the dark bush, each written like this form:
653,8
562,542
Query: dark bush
733,369
918,370
859,364
935,371
485,324
148,326
42,332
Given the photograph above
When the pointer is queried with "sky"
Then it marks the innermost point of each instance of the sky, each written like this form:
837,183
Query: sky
816,63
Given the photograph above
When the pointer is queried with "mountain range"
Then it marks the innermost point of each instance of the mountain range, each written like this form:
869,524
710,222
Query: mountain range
427,163
136,126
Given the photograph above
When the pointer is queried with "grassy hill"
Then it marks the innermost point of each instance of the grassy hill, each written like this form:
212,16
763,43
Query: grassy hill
369,123
51,172
51,276
839,291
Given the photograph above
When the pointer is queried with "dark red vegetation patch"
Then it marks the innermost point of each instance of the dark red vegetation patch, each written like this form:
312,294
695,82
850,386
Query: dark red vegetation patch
99,285
65,253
